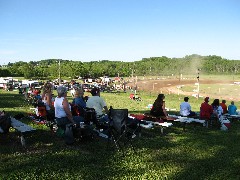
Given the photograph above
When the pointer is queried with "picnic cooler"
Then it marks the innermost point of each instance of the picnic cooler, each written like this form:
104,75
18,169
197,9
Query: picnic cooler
227,123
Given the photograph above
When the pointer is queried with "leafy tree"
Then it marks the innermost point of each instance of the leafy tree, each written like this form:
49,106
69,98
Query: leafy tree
157,66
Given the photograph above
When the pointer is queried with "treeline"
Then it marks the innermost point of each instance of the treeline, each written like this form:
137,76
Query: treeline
154,66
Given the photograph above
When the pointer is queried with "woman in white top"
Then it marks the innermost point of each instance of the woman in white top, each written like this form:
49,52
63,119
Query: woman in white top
62,107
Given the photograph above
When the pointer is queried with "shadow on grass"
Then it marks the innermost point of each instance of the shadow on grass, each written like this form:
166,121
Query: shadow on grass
198,153
8,100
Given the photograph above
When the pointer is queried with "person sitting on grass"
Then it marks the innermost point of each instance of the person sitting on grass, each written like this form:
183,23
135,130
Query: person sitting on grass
224,106
136,97
232,109
62,107
206,110
96,102
79,102
217,109
185,108
158,108
47,100
65,120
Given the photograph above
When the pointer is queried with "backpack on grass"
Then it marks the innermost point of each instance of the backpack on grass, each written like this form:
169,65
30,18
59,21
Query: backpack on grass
5,123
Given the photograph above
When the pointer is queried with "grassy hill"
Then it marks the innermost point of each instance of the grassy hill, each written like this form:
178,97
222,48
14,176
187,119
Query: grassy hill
197,153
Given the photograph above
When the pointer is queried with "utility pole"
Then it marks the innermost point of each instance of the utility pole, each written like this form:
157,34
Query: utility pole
59,71
198,89
132,73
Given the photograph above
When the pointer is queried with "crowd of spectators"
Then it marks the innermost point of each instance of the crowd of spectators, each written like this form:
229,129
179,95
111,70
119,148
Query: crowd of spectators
64,112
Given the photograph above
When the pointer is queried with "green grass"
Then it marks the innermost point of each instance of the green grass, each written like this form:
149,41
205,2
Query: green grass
194,154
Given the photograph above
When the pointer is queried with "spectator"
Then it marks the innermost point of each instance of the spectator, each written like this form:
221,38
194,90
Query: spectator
79,101
158,108
98,104
206,110
73,90
47,100
185,108
232,109
36,91
137,98
62,108
217,109
224,106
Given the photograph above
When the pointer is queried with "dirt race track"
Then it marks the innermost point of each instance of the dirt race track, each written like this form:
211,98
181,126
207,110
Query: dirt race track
172,86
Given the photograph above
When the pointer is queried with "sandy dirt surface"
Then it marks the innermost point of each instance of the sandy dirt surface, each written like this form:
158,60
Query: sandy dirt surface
171,86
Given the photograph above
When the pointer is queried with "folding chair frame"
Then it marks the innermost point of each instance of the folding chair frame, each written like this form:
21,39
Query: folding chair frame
119,133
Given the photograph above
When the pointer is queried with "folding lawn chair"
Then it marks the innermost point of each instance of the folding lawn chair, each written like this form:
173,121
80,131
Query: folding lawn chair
84,130
119,132
41,114
90,118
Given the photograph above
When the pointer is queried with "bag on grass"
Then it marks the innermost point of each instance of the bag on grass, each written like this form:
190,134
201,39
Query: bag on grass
5,123
68,136
60,132
225,124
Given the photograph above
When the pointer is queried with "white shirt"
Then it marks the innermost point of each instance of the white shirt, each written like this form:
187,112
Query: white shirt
58,105
218,111
44,100
73,91
185,108
97,103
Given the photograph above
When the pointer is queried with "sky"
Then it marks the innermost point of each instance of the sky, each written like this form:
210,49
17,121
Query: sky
119,30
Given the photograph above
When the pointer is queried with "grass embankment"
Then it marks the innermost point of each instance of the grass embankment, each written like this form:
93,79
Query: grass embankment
195,154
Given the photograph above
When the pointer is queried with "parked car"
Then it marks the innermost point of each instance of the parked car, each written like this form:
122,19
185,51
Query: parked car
87,87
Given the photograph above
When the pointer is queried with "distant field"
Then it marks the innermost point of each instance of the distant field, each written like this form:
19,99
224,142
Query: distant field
214,86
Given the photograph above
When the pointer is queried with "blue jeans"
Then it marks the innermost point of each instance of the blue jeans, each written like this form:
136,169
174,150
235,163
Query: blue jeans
64,120
78,119
104,118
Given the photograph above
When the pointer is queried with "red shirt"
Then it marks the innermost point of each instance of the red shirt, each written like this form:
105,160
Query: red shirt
205,111
224,107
